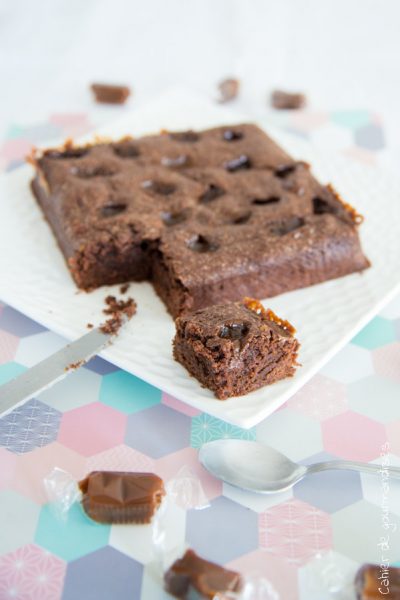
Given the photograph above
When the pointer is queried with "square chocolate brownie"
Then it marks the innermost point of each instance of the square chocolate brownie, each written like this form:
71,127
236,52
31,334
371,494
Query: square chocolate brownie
206,216
235,348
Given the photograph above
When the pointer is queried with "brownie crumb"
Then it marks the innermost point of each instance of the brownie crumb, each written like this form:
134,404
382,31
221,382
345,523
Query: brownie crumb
117,309
89,325
110,94
74,366
124,288
229,89
286,100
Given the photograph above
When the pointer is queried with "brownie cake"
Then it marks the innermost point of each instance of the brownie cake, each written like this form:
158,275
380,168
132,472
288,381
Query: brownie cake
235,348
207,216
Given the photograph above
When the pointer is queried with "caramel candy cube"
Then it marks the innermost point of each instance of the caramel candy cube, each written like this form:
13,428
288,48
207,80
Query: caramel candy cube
193,577
121,497
375,582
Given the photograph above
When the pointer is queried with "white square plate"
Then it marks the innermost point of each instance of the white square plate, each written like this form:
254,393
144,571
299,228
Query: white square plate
35,280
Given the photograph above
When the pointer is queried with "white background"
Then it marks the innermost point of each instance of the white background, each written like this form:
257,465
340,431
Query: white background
342,53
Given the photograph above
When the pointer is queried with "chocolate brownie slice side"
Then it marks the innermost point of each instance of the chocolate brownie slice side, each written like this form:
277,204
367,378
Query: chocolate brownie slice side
199,266
232,350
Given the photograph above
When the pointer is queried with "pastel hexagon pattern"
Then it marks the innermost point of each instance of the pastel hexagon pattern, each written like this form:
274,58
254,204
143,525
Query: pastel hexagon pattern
295,530
169,466
120,458
326,576
320,398
307,121
393,436
337,137
72,536
385,490
29,426
103,575
350,364
144,543
33,467
220,523
360,543
329,490
277,570
370,136
387,361
8,462
92,429
302,434
18,324
352,119
128,393
35,348
180,406
18,519
152,584
10,370
31,573
143,431
353,436
256,502
375,397
8,346
100,366
378,332
206,428
80,388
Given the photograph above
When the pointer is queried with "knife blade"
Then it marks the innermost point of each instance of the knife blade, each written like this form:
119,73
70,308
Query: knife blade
53,368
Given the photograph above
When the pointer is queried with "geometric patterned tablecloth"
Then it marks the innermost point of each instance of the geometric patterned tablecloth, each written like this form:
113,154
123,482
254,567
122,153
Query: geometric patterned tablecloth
102,417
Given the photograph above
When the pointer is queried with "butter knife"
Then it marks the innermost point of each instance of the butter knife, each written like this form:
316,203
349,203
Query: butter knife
54,368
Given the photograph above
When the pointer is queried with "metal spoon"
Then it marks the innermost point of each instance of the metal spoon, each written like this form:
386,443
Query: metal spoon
258,468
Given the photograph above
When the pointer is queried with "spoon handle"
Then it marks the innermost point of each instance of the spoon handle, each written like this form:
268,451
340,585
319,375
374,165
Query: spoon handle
352,465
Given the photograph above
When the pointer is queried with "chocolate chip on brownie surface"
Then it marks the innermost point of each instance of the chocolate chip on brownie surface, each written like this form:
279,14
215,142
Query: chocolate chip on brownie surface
215,214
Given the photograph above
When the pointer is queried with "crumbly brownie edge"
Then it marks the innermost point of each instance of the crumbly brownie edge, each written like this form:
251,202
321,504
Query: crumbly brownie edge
276,360
92,266
175,296
328,258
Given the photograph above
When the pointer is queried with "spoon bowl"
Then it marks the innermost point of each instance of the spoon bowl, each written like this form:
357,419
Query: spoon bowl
259,468
250,465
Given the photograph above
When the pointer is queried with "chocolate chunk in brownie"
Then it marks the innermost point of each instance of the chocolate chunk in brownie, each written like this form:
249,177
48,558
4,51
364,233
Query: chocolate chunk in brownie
194,577
287,100
228,89
110,94
235,348
202,265
208,216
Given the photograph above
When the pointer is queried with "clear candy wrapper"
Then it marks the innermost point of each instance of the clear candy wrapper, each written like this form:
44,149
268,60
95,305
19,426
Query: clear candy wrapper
62,491
180,494
327,577
184,490
254,588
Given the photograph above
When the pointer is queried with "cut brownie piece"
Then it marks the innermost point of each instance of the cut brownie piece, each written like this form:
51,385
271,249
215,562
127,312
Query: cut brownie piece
235,348
207,215
193,577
